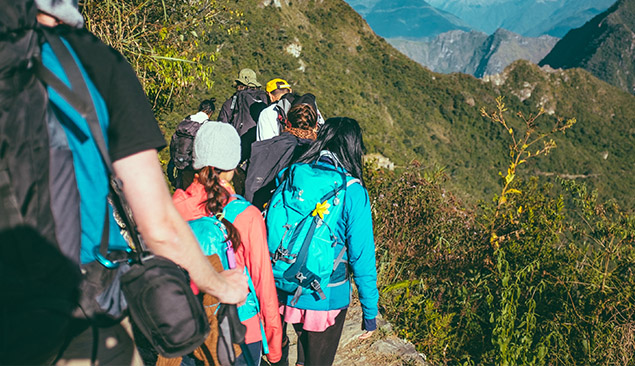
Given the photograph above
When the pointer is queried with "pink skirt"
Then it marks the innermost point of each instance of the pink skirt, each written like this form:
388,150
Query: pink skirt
312,320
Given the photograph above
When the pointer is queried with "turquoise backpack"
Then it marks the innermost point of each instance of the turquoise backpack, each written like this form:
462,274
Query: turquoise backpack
301,220
212,236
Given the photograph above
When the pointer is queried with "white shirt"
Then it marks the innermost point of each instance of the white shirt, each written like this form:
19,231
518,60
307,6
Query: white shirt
267,126
199,117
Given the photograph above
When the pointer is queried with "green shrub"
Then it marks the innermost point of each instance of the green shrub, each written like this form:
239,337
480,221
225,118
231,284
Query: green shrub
541,274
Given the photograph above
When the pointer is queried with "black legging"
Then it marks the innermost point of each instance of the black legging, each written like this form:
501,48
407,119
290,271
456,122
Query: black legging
319,348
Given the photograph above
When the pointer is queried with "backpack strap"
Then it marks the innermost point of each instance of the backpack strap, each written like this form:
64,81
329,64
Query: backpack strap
235,207
77,94
234,110
336,262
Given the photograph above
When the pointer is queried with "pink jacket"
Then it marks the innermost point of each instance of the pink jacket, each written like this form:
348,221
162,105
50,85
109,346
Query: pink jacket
253,253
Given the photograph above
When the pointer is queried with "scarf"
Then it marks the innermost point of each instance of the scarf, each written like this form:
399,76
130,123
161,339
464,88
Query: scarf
301,134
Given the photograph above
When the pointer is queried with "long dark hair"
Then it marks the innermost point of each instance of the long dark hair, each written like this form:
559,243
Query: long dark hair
217,197
343,137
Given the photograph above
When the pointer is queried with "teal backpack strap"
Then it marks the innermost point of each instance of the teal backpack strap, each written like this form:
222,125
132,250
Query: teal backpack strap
235,207
231,211
265,345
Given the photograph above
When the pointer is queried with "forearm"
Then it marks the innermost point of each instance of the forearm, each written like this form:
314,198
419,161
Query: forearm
161,226
176,241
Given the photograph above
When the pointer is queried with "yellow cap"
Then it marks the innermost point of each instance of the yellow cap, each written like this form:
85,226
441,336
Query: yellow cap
277,84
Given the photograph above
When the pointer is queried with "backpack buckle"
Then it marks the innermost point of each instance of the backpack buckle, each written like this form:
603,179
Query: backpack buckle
280,254
315,285
301,277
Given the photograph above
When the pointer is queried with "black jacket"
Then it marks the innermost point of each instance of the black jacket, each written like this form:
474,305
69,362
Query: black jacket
267,159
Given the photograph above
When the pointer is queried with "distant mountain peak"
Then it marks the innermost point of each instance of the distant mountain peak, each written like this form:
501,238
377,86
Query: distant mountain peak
526,17
416,18
605,46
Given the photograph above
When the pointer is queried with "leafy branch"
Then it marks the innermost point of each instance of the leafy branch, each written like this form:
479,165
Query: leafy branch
520,150
169,42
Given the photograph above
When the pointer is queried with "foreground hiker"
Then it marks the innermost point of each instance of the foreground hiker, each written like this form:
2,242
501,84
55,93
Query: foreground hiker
319,226
133,140
180,172
210,202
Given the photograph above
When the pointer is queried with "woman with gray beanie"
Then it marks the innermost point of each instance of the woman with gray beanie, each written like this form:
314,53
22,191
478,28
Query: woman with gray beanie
216,155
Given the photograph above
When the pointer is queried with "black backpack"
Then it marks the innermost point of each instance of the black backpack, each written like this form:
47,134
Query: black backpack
268,158
182,143
39,284
241,116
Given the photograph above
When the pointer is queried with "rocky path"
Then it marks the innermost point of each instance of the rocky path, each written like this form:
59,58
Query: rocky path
382,348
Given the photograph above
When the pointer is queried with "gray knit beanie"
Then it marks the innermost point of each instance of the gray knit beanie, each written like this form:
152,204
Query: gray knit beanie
216,144
64,10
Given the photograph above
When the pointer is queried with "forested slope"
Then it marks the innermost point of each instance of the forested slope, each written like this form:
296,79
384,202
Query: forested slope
408,112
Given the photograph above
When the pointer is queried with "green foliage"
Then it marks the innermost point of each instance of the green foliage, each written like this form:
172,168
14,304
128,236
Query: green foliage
541,274
166,42
425,243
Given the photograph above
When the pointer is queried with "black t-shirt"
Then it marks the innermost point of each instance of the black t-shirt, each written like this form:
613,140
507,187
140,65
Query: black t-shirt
133,127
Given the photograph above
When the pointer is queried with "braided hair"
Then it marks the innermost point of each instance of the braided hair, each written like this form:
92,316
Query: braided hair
217,197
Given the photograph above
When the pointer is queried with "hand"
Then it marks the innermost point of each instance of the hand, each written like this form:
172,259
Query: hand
236,287
366,334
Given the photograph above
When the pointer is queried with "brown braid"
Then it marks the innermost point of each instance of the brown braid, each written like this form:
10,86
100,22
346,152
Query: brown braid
302,116
217,197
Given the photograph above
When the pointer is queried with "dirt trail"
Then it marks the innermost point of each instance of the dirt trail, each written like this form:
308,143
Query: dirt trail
382,348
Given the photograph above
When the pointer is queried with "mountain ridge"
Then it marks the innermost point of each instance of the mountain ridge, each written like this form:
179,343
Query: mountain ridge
410,113
411,18
474,52
529,18
605,46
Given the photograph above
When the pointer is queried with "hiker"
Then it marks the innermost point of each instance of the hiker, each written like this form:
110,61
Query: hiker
243,108
280,96
323,208
216,155
269,157
246,80
273,119
182,142
133,140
